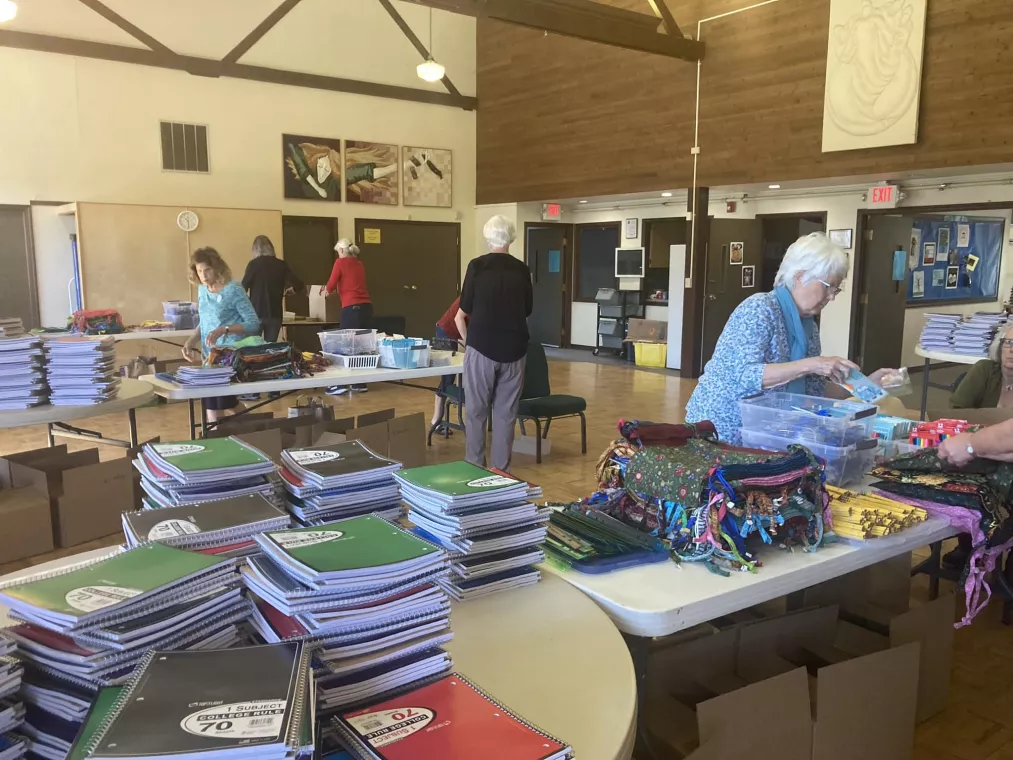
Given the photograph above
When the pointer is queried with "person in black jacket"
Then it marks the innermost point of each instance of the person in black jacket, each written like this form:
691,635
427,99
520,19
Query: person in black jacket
496,302
268,279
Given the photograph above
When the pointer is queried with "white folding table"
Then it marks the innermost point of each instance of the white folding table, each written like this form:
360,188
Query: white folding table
939,356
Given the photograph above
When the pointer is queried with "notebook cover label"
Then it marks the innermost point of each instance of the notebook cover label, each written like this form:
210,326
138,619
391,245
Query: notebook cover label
176,449
389,726
91,598
171,529
492,481
260,719
313,457
307,538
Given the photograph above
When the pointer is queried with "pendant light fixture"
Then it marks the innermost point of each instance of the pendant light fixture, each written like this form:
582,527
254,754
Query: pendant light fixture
8,10
429,69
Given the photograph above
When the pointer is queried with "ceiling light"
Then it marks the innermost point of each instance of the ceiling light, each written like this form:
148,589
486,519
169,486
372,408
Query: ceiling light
666,195
430,70
8,10
774,187
582,201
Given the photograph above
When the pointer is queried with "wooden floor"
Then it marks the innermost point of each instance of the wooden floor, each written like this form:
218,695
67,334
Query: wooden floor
978,725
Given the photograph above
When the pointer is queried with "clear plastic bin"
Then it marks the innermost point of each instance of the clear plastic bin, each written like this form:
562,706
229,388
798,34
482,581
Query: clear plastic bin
348,342
892,449
404,353
808,419
845,465
183,320
171,308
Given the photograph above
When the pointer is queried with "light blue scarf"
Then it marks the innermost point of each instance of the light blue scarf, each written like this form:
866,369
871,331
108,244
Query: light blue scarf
800,331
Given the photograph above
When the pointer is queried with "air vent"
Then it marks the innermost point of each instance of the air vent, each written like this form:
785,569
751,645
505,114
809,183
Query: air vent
184,147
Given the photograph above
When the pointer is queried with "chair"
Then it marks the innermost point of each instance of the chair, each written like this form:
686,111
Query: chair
538,403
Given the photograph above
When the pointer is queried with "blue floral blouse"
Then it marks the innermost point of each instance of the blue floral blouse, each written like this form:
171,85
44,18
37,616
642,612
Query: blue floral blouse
229,306
754,336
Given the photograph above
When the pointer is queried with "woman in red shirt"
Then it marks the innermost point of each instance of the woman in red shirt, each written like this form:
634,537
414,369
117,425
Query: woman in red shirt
348,278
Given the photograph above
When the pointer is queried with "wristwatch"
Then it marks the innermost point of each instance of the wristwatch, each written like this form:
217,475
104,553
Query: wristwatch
970,449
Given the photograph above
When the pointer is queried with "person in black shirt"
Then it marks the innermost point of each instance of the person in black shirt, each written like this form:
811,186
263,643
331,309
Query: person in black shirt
268,279
496,302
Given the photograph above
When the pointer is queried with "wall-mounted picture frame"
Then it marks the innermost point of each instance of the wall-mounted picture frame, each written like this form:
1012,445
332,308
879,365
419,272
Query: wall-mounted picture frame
843,238
749,277
631,229
312,167
428,177
736,253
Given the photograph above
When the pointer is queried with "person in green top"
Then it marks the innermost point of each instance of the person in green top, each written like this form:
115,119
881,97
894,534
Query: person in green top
989,383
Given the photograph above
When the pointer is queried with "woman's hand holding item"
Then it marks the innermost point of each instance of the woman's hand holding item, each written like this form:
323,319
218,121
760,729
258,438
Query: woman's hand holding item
833,367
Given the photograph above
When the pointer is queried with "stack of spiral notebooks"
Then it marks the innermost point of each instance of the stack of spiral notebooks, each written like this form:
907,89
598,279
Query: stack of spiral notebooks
13,745
22,374
81,371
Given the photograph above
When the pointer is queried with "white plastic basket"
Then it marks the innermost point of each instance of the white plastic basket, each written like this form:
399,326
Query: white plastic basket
362,361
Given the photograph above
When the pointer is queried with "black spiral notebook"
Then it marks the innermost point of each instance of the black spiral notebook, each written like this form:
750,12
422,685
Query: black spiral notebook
249,702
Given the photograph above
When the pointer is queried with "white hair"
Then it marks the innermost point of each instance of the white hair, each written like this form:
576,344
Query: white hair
343,243
995,348
499,232
815,257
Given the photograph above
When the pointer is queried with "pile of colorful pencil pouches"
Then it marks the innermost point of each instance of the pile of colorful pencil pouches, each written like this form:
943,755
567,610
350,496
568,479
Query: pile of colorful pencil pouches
782,500
931,434
863,516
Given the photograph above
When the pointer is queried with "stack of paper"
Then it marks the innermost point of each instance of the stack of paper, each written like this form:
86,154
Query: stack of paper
12,711
937,335
200,377
22,374
81,370
11,327
253,703
325,483
225,527
974,334
192,472
484,520
365,593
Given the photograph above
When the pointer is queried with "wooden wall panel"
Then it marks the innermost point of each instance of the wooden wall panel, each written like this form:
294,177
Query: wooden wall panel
563,118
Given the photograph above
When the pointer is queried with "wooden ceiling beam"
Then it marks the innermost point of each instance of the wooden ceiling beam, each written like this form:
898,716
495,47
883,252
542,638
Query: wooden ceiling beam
136,32
582,19
212,68
414,39
261,29
660,8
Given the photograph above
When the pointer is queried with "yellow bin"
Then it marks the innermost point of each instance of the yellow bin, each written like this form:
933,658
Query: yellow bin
651,354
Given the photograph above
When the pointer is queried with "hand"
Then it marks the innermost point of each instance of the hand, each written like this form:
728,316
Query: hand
214,336
323,291
190,353
833,367
954,450
881,375
289,292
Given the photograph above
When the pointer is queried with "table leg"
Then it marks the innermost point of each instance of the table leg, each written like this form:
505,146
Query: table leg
132,420
203,419
931,567
49,435
925,388
640,652
193,420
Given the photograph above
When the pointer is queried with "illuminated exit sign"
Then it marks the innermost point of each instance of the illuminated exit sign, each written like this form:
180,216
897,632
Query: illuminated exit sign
883,196
551,212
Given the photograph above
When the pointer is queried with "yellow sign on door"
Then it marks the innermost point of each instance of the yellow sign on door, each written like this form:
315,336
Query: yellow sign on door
371,235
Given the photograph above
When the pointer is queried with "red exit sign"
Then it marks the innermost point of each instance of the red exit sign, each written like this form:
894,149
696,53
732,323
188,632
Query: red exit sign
551,212
884,196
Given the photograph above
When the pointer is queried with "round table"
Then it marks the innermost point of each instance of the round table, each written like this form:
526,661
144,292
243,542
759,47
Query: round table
132,394
939,356
546,651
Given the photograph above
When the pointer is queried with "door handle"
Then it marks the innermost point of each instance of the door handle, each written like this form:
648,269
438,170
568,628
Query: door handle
407,287
712,297
415,287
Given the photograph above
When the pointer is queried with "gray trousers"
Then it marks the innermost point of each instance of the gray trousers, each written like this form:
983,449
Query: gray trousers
495,385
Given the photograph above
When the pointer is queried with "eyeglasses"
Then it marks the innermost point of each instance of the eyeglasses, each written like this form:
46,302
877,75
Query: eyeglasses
831,290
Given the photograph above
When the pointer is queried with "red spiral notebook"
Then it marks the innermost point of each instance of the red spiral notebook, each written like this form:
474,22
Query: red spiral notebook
449,719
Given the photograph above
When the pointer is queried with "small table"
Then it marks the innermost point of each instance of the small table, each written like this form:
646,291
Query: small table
939,356
132,394
158,336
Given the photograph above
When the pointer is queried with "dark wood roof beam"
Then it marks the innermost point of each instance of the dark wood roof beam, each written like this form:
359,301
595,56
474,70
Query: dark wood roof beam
414,39
261,29
137,33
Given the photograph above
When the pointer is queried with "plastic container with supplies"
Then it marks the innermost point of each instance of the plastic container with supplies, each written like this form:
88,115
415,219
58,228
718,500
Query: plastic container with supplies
178,307
845,464
362,361
404,353
651,354
808,419
348,342
892,449
183,320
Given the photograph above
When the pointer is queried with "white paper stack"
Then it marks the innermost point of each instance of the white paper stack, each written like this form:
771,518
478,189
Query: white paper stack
11,327
937,335
81,371
22,373
485,522
199,377
974,334
12,710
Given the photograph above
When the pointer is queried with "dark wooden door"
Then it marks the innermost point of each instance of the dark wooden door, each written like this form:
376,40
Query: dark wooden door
546,251
413,271
309,250
725,286
18,293
881,300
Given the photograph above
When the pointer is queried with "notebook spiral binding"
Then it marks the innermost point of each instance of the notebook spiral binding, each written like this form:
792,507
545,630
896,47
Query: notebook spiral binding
121,702
63,570
356,633
193,541
299,700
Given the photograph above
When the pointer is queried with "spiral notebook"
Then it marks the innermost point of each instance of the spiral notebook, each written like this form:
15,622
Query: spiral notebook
448,719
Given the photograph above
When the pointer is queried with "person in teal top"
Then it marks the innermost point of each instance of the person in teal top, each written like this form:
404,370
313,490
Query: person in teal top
226,316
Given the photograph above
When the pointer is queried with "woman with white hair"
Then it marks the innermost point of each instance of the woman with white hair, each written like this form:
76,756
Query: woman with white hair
495,305
989,383
771,340
348,278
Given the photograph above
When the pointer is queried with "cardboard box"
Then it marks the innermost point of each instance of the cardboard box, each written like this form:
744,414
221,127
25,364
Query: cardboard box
86,496
321,308
647,331
27,524
400,438
826,703
295,432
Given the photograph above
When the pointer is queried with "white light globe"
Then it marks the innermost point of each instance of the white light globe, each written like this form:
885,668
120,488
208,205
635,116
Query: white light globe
430,70
8,10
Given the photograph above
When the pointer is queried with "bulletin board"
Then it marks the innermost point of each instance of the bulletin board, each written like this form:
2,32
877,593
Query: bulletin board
954,258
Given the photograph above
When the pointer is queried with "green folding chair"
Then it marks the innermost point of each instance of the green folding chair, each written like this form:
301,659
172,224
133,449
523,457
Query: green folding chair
539,404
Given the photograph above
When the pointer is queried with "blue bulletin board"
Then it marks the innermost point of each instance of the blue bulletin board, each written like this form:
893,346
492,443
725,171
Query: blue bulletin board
954,258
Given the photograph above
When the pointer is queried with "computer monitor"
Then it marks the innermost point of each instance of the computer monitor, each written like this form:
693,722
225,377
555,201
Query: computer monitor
629,262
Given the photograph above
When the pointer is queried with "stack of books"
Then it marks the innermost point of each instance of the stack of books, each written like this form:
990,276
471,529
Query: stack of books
87,627
192,472
199,377
326,483
225,527
974,334
364,593
11,327
253,703
81,370
449,718
12,711
493,534
937,335
22,373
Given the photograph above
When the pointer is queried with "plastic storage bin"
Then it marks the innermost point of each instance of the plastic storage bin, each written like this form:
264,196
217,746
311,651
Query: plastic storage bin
808,419
183,320
348,342
651,354
178,307
404,353
362,361
845,465
891,449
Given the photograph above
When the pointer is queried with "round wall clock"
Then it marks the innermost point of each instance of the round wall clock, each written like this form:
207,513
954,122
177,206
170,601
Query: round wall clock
187,221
